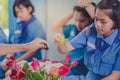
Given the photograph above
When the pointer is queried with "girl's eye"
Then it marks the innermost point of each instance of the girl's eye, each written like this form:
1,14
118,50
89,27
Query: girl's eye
103,22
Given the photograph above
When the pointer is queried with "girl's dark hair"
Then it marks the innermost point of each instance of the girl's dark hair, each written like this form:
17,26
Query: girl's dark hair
84,12
25,3
114,10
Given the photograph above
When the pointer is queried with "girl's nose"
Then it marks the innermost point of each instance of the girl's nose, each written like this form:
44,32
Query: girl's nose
98,23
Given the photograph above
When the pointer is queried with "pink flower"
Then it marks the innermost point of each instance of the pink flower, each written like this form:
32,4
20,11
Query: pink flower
55,62
74,63
17,67
67,58
35,64
54,71
64,70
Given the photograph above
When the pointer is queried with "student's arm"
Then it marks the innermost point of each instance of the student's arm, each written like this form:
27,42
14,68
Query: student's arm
90,9
115,75
32,46
65,48
26,55
12,48
87,4
59,24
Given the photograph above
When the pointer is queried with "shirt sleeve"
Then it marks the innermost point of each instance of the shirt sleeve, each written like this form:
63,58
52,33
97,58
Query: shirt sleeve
80,40
67,30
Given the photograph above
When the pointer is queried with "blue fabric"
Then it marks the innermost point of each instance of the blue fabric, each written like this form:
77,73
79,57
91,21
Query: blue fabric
3,39
24,28
105,61
70,31
33,29
99,47
89,76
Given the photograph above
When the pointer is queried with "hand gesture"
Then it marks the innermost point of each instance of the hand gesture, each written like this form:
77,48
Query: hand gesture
82,3
59,39
37,43
3,65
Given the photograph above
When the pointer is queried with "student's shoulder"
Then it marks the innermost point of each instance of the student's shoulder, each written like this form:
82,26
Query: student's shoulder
90,29
69,26
36,23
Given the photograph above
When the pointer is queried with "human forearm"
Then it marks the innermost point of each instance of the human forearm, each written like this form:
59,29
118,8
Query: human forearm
26,55
115,75
31,46
58,25
90,9
12,48
64,48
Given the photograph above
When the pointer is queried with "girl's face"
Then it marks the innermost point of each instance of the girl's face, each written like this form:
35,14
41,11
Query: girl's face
80,21
104,25
23,13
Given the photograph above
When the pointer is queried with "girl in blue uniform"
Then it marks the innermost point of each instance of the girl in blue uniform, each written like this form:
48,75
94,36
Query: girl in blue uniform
102,43
27,29
82,19
3,39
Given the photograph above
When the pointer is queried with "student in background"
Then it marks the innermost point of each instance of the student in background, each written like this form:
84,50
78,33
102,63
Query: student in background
82,18
102,43
27,29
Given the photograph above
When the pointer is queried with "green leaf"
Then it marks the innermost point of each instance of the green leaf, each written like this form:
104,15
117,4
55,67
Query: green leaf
36,76
25,66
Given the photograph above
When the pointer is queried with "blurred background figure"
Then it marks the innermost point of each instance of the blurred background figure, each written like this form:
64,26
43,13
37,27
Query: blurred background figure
82,18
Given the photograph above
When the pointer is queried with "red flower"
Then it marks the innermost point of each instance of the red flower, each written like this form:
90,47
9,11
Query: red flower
45,59
67,58
64,70
10,63
12,58
68,65
20,75
17,74
35,64
13,73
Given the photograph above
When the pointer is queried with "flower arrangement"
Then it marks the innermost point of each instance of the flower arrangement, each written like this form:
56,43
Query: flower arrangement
39,70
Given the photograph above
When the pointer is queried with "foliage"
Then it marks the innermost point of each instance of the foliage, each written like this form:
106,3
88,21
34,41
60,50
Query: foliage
39,70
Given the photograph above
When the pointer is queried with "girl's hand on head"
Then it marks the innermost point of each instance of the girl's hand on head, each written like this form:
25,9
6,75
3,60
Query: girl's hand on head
83,3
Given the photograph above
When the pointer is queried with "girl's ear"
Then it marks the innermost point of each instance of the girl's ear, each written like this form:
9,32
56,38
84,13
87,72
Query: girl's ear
30,9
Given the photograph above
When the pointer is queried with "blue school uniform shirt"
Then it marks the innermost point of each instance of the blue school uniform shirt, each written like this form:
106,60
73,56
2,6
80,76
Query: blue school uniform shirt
3,39
102,63
70,31
26,32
